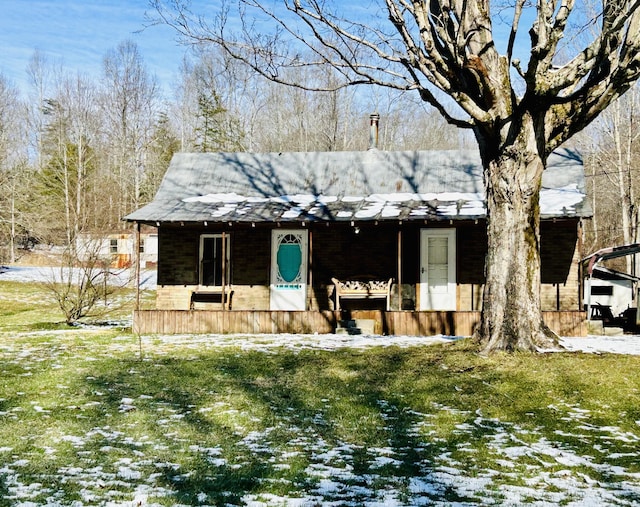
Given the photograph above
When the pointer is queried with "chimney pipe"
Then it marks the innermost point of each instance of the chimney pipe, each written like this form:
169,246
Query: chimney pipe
374,119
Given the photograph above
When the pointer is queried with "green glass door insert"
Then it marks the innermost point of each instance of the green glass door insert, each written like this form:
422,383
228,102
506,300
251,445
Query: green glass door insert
289,258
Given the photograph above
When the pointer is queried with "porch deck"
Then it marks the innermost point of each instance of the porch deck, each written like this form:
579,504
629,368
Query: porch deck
425,323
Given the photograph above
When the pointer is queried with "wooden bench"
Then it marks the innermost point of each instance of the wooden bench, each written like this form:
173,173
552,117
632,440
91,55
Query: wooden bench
362,287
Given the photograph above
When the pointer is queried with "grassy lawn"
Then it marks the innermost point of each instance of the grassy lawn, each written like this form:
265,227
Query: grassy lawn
86,419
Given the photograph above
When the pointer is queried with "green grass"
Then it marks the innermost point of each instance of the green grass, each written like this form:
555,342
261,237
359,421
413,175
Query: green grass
85,419
30,306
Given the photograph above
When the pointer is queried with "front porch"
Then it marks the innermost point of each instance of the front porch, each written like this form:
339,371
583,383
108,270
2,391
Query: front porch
411,323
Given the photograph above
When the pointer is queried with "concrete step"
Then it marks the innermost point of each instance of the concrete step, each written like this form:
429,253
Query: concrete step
348,330
356,326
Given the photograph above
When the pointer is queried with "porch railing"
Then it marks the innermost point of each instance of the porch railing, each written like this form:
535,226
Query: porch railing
429,323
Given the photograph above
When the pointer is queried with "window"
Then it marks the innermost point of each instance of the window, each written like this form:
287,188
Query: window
289,259
602,290
141,249
213,261
113,246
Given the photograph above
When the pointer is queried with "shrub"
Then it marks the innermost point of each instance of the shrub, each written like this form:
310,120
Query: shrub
78,285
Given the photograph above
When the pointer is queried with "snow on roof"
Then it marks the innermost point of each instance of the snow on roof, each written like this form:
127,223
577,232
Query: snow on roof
344,186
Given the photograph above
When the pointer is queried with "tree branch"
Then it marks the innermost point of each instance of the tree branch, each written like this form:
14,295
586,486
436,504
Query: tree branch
431,45
613,63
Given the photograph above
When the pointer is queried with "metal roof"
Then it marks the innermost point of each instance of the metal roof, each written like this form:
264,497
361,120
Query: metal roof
602,273
344,186
613,252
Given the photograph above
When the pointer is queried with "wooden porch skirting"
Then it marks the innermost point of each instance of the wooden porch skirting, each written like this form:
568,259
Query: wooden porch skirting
429,323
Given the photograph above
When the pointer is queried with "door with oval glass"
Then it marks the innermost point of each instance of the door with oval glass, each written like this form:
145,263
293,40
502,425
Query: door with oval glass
288,269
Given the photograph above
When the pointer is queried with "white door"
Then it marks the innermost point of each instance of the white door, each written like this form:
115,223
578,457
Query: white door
438,269
289,269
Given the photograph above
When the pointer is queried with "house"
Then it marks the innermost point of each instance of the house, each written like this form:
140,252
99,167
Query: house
118,248
265,242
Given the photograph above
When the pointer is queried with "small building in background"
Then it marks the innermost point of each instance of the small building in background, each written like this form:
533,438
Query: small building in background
611,288
118,248
610,295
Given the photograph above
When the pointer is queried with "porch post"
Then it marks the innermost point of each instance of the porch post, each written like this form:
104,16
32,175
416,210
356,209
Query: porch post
581,293
224,270
472,291
399,277
136,259
588,289
310,282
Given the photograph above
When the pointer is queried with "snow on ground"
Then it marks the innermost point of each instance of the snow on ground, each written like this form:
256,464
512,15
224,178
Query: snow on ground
46,274
484,461
529,467
622,344
274,342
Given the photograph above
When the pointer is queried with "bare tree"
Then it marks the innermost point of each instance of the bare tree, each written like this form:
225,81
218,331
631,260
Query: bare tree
71,130
447,51
13,168
80,96
84,285
406,118
615,143
256,114
164,143
206,123
41,77
130,110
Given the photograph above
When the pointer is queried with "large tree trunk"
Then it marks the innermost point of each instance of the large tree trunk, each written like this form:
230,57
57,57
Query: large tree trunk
511,311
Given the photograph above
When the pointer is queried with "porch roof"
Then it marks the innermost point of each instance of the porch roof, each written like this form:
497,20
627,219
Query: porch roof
371,185
602,273
590,262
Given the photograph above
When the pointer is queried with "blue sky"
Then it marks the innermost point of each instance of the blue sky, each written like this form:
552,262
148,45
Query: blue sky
79,33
